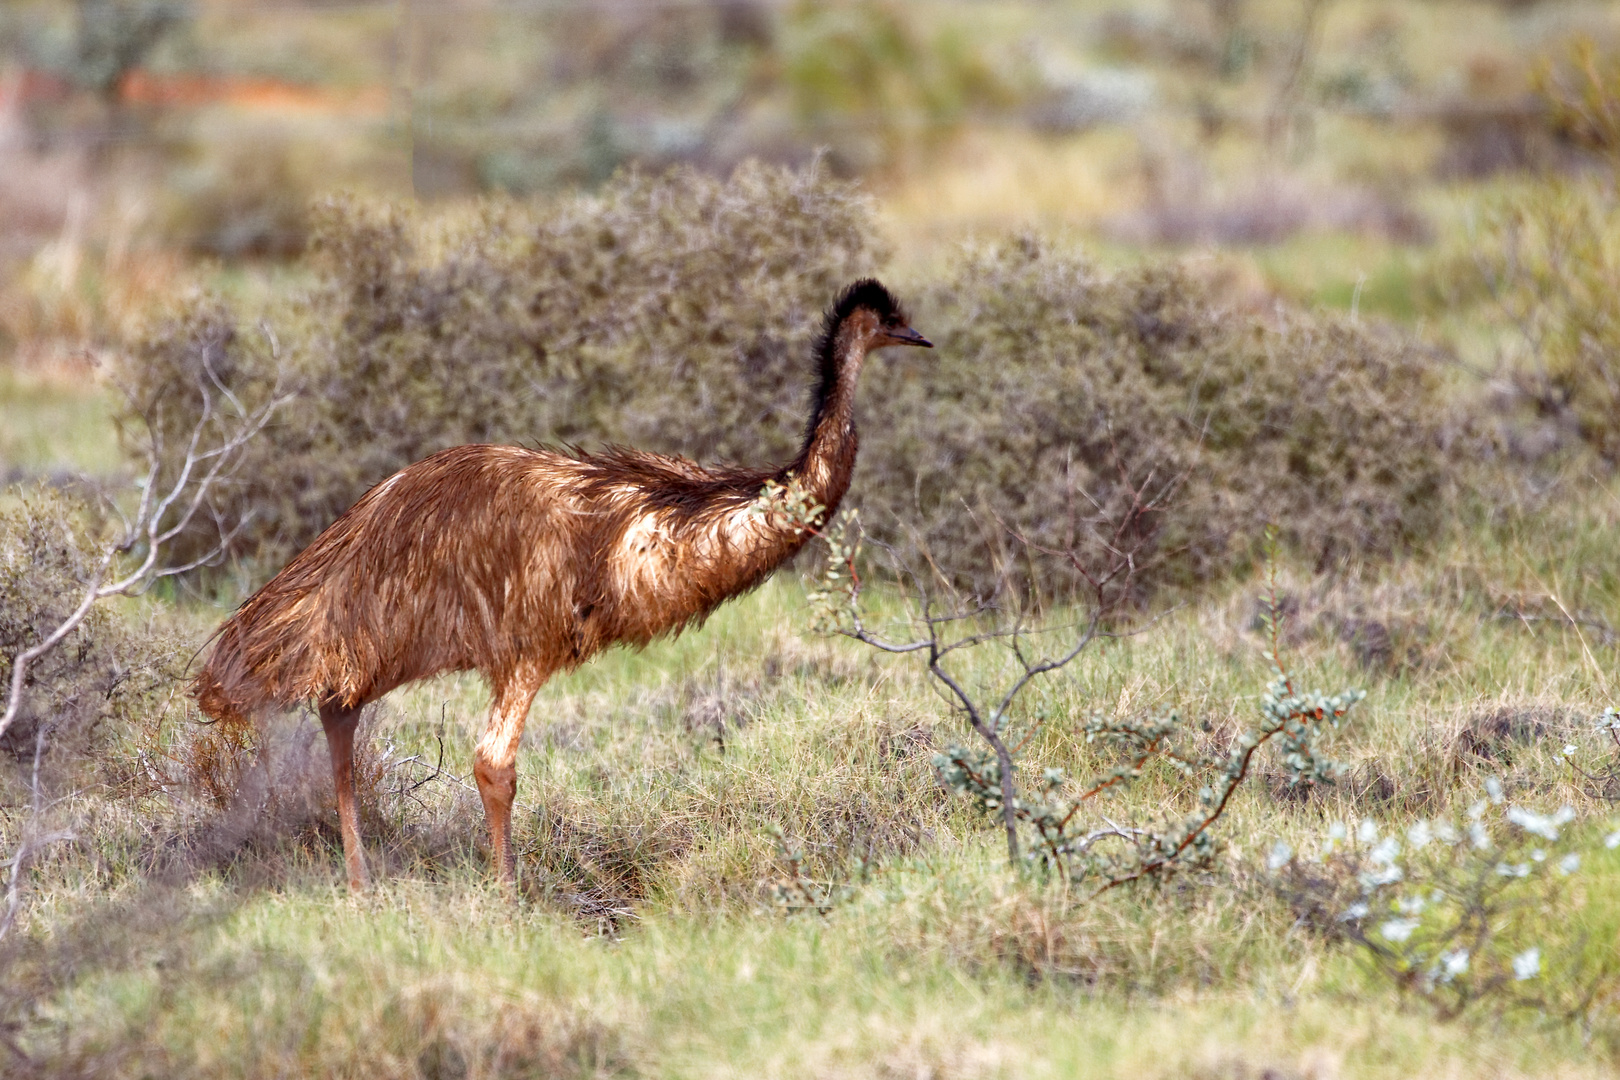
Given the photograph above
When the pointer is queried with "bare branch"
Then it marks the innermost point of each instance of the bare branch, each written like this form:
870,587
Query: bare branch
137,556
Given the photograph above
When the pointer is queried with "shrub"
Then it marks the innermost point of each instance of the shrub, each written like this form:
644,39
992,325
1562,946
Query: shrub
46,554
1466,911
1551,259
670,313
80,700
675,314
1060,391
1091,849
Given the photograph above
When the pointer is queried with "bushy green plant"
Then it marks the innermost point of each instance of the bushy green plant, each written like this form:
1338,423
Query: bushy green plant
73,683
1465,911
675,314
1087,846
1550,256
1547,259
672,313
1064,395
104,670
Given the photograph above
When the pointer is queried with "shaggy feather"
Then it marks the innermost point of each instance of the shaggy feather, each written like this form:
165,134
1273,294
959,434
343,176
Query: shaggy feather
519,563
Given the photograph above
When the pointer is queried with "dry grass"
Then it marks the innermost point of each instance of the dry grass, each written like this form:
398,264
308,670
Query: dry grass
644,940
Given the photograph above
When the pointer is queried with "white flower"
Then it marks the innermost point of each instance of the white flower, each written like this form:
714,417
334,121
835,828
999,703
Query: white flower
1543,825
1527,965
1399,930
1476,811
1532,822
1538,855
1569,749
1367,831
1569,864
1513,870
1389,875
1337,831
1445,832
1280,854
1419,835
1358,910
1493,788
1453,964
1410,905
1385,852
1612,841
1477,834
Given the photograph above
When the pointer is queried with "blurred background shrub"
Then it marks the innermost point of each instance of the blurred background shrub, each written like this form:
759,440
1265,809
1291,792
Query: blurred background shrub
1038,173
1063,393
675,313
672,313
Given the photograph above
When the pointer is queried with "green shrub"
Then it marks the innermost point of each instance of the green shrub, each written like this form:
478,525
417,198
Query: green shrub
105,675
1475,909
1061,392
671,313
1550,258
675,314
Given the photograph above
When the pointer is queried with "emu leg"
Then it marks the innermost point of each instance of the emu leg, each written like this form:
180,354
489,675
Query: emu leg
495,765
340,724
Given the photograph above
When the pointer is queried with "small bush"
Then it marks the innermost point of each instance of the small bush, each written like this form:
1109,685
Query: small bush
1060,391
1468,911
107,673
1547,264
675,314
670,313
1551,259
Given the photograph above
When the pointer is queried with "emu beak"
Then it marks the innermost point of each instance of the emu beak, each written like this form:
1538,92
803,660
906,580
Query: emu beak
908,336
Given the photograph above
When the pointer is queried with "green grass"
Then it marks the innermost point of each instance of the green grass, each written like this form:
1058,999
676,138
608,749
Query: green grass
645,940
412,977
55,424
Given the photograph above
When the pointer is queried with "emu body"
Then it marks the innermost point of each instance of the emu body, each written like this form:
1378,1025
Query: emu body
520,564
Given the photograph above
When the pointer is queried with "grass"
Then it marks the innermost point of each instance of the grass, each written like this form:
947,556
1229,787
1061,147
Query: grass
54,422
409,978
645,940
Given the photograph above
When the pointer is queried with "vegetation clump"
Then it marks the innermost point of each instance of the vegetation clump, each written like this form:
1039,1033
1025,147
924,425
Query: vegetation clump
1455,910
1066,401
672,314
106,673
1543,274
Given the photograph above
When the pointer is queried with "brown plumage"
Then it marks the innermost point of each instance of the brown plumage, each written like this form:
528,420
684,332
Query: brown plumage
521,563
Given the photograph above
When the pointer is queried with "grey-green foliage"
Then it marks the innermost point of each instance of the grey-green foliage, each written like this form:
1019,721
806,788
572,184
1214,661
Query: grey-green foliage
1093,849
104,670
675,313
1061,392
671,313
1465,911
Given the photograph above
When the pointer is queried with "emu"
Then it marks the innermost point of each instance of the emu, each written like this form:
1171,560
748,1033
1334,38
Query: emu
519,563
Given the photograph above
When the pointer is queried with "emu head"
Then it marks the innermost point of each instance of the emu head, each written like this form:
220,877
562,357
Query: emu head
870,316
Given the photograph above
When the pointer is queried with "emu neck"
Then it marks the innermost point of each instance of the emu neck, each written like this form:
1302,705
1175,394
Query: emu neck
826,462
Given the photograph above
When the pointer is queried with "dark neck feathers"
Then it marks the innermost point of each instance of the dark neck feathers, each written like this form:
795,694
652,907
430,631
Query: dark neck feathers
835,352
